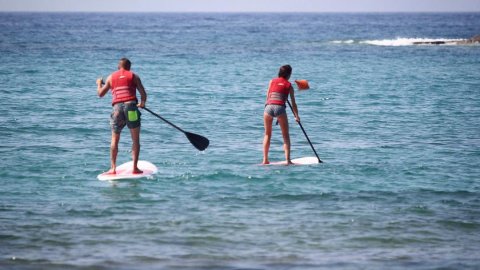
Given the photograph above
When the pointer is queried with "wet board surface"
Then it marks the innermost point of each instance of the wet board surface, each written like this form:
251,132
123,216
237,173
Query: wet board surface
124,171
297,161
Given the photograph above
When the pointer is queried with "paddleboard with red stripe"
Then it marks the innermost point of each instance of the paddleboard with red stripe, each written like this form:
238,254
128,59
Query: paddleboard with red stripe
124,171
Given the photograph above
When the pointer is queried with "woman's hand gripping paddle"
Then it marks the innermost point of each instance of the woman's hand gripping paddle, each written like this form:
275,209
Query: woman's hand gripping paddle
200,142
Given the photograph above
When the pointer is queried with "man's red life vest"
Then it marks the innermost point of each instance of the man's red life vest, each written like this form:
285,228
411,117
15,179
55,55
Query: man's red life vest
278,91
123,86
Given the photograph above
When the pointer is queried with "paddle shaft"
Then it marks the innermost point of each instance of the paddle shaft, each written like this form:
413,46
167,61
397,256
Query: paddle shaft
305,133
165,120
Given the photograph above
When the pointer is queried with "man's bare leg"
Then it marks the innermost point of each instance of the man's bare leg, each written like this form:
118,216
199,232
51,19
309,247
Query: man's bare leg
114,152
135,132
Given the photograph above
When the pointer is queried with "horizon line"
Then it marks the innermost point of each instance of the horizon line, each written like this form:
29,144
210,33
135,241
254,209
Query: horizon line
232,12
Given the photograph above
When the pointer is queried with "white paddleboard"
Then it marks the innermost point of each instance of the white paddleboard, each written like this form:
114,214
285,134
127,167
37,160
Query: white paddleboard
297,161
124,171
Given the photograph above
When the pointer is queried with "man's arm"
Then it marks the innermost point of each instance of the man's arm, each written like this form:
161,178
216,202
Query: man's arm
141,89
102,90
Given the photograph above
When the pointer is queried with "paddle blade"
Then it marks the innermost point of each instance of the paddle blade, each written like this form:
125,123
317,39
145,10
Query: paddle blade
200,142
302,84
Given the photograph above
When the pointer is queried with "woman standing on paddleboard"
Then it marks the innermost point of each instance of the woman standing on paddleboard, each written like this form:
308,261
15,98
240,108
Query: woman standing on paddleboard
277,95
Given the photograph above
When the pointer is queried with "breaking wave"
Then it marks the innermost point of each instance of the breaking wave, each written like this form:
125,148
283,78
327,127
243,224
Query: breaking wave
405,41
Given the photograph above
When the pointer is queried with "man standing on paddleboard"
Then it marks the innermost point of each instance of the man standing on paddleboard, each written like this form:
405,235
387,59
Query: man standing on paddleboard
124,85
277,95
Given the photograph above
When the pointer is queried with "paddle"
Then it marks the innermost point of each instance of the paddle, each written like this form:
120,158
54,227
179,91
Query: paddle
303,85
305,133
200,142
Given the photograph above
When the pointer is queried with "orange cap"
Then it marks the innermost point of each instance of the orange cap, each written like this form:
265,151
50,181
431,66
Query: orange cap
302,84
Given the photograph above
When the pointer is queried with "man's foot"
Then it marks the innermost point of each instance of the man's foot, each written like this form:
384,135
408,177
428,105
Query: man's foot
111,171
265,162
137,171
289,162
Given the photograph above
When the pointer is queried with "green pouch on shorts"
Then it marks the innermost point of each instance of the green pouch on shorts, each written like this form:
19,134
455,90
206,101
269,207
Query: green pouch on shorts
132,116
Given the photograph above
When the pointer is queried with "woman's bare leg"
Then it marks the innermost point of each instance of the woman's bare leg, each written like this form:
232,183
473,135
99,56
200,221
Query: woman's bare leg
283,121
267,121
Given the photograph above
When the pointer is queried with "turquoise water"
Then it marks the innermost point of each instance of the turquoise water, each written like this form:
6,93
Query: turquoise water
397,127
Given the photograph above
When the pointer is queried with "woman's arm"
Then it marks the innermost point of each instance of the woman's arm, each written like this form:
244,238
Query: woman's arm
294,105
268,89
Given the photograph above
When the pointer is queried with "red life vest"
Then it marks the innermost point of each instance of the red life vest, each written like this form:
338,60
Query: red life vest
123,86
278,91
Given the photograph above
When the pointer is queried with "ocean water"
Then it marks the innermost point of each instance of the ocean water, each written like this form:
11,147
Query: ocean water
396,124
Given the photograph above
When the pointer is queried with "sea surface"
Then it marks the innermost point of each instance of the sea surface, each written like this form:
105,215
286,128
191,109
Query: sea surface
396,124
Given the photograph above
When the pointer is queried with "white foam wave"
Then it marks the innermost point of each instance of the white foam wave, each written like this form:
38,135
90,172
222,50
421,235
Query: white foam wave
404,41
350,41
411,41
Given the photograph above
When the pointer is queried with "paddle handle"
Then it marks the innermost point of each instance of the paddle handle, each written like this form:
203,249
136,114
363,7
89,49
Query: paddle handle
165,120
305,133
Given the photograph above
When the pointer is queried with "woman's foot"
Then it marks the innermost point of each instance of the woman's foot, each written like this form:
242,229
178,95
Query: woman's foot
137,171
111,171
265,162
